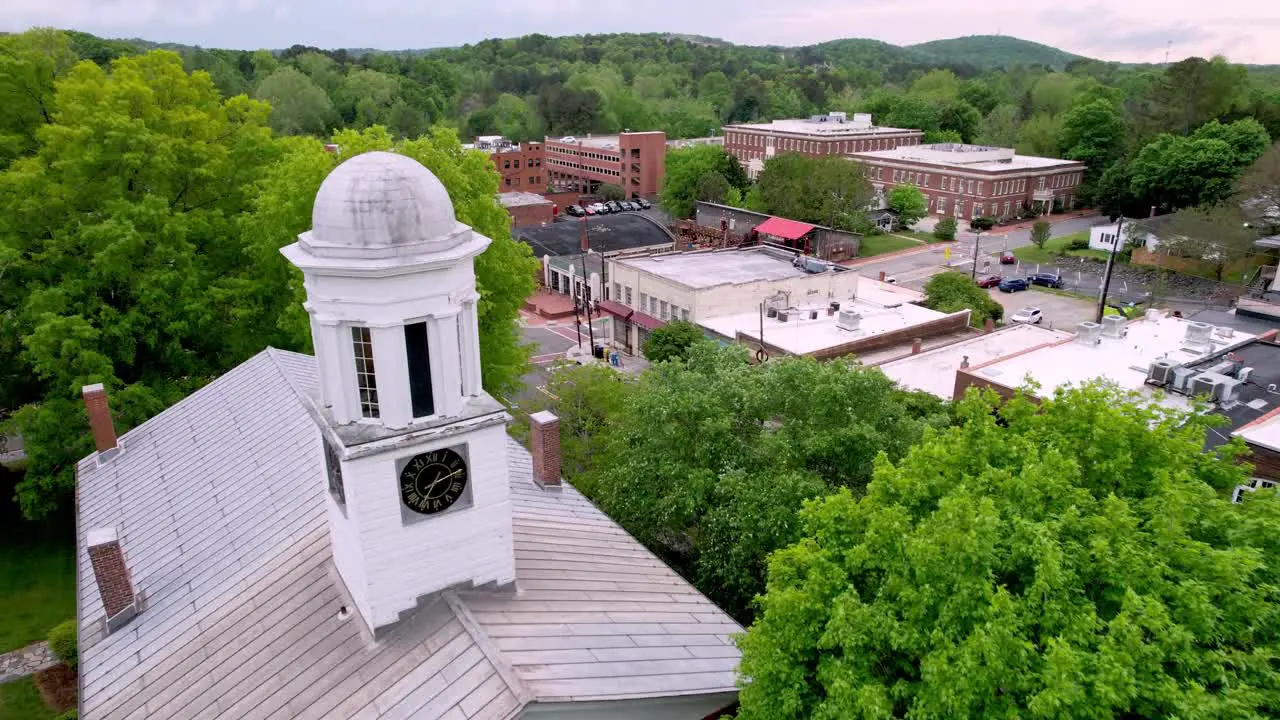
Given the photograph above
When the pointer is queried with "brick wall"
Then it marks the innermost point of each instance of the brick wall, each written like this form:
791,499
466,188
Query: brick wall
115,585
527,215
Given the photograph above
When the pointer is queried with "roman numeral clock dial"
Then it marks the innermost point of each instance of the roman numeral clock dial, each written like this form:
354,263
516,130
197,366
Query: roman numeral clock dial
433,481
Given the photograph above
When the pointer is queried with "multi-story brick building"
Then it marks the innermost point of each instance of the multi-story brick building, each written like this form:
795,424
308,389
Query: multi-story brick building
633,160
831,134
520,164
969,181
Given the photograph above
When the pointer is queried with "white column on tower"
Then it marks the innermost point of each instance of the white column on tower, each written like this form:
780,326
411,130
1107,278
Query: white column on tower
394,403
470,338
442,335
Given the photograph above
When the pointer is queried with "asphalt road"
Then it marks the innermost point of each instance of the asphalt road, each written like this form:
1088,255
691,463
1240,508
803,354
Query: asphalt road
915,270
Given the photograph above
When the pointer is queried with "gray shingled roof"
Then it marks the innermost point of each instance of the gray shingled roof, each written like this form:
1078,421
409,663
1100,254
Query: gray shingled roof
219,505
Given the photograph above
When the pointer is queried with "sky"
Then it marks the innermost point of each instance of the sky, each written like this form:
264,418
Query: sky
1246,31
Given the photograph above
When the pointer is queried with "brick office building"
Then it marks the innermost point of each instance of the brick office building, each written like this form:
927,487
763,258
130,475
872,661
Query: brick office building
520,164
969,181
527,209
635,161
831,134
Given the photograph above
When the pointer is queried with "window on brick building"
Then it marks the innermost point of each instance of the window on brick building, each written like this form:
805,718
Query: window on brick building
942,205
617,291
663,311
627,292
684,314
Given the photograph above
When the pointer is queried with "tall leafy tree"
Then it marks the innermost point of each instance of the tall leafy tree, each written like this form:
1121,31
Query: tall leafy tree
30,65
827,190
1094,134
298,105
1075,559
117,232
909,202
685,168
950,292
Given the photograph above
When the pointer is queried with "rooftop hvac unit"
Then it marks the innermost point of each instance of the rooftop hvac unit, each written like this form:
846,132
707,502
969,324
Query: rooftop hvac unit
848,320
862,121
782,316
1181,379
1160,372
813,265
1208,386
1113,326
1226,367
1198,333
837,116
1228,390
1223,332
1244,374
1089,333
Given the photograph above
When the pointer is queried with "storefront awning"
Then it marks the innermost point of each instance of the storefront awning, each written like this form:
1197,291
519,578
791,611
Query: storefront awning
783,228
648,322
617,309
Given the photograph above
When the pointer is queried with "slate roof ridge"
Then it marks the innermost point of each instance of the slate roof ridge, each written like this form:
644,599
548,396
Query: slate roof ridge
495,656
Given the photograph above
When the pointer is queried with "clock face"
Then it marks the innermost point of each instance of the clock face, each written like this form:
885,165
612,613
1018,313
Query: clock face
433,481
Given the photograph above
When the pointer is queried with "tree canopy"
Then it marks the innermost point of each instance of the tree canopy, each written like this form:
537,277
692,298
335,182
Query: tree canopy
672,341
950,292
686,169
1075,559
909,202
828,191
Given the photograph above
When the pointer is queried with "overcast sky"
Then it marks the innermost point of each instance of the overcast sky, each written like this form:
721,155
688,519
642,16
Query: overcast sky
1132,30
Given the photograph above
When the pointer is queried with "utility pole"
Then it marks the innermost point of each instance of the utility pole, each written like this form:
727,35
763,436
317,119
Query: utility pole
1106,275
976,237
586,289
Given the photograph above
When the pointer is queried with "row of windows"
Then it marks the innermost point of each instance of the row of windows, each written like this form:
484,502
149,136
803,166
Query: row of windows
651,305
1008,209
534,180
589,155
580,166
531,162
818,146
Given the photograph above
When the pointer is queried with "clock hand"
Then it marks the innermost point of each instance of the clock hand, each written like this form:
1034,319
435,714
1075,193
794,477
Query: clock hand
441,479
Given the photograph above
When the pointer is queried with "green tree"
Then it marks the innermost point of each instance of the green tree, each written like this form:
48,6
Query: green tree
945,229
715,90
951,292
686,166
940,86
1176,172
1259,190
116,248
298,105
1000,127
30,65
1024,564
961,118
712,187
611,191
829,191
1094,134
711,457
1040,233
981,95
1217,235
672,341
909,203
1039,136
586,399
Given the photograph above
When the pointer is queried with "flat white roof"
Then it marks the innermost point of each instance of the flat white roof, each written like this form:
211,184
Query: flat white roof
935,371
1122,361
804,126
803,336
516,199
1265,431
975,157
709,268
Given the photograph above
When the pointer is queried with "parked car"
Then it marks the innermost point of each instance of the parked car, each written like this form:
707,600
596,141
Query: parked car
589,210
1013,284
989,281
614,206
1008,258
629,206
644,204
1052,280
1030,315
601,208
574,210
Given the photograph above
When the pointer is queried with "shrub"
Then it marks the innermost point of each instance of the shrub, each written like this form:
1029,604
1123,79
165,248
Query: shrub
945,229
62,642
71,714
1078,244
672,341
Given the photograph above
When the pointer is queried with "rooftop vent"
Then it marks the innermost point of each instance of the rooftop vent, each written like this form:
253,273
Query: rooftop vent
848,320
1089,333
1197,334
1160,372
862,121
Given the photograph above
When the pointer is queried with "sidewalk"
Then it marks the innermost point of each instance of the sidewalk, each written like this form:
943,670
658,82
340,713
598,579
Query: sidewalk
26,661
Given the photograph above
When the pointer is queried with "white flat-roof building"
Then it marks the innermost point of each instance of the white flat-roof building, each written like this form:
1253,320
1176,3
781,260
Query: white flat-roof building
934,371
723,291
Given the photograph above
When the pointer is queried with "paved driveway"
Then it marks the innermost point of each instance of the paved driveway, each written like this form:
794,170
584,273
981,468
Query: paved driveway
1061,312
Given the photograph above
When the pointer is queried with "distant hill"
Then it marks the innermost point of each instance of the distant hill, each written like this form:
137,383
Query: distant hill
992,51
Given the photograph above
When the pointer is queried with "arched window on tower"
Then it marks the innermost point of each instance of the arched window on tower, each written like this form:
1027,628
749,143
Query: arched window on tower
366,381
419,357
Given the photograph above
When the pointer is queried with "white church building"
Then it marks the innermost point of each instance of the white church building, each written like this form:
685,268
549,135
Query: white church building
354,535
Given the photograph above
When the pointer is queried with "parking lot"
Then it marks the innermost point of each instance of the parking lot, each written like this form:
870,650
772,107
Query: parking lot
1061,312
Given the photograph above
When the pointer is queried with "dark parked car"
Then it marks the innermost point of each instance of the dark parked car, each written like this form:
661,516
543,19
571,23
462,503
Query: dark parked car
1052,280
1013,284
644,204
614,206
1008,258
630,206
989,281
574,210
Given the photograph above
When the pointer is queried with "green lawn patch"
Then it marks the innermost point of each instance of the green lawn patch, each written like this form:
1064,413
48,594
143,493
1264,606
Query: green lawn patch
20,700
37,572
881,244
1056,248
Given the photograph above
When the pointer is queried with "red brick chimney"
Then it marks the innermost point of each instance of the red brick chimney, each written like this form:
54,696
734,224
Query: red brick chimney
916,345
881,276
582,243
115,584
95,404
544,438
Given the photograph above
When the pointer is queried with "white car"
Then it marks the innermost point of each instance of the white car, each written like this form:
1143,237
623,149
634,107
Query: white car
1028,315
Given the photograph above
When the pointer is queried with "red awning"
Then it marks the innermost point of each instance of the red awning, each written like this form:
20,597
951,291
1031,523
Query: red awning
783,228
616,309
648,322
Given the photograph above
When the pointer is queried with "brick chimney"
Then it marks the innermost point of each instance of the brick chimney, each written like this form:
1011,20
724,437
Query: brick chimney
95,404
544,438
115,584
916,345
582,240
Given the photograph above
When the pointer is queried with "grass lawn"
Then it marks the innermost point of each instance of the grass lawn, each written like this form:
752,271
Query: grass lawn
37,572
19,700
881,244
918,234
1055,248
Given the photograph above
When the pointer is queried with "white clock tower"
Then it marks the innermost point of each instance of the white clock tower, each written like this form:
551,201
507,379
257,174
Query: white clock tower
416,451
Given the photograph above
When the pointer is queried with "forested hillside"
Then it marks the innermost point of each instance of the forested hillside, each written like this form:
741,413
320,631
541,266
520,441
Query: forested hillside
994,51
